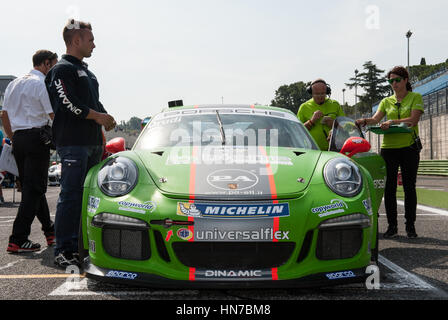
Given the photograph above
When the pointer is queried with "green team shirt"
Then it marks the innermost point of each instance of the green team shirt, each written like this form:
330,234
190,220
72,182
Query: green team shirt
412,101
319,131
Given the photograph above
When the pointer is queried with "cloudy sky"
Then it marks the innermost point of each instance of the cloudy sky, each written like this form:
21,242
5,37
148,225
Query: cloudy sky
231,51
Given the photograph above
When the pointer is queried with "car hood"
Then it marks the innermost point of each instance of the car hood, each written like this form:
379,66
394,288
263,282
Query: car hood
230,173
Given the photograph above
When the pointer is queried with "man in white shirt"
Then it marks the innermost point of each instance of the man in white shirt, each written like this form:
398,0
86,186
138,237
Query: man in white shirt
26,109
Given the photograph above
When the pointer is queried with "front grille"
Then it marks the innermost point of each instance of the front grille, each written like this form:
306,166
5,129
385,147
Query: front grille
126,243
338,243
161,248
306,245
233,255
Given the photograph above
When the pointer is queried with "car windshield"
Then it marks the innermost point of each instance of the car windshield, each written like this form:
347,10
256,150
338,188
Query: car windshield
343,128
229,127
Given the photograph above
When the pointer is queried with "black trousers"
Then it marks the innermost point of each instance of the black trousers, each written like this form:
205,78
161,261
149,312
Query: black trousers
408,160
32,158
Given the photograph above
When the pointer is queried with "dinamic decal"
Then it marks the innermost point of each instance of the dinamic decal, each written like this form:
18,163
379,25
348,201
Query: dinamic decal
335,206
236,274
233,210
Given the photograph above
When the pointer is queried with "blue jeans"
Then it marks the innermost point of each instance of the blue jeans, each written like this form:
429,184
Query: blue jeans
76,162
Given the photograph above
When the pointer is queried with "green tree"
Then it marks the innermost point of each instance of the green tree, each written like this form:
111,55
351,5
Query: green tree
134,123
374,84
291,96
420,72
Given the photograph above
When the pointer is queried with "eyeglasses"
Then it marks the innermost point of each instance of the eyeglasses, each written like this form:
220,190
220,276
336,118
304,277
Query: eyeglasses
397,80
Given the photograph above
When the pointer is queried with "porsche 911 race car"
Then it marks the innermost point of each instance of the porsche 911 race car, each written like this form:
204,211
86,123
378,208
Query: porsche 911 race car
233,196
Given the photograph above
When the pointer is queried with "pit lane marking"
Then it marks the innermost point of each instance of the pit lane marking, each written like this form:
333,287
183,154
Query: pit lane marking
406,280
428,209
11,264
73,288
36,276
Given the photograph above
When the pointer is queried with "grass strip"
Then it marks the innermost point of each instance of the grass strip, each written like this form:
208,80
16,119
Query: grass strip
427,197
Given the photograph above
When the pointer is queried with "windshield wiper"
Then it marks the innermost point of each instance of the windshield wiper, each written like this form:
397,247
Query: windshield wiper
221,128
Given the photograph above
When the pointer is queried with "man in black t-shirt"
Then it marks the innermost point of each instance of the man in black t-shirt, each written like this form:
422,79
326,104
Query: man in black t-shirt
78,121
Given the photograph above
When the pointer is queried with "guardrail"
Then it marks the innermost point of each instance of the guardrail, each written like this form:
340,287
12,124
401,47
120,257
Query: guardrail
433,167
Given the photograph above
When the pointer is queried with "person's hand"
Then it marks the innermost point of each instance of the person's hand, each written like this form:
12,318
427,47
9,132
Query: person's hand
112,126
105,120
328,121
386,125
361,122
316,116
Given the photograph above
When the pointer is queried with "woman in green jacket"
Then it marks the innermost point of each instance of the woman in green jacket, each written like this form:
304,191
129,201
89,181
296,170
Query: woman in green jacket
400,149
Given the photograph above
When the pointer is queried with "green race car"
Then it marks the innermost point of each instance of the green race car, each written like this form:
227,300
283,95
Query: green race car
233,196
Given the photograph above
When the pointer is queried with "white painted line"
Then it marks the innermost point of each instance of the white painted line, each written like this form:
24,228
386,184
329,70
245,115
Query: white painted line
52,215
75,288
407,280
9,265
428,209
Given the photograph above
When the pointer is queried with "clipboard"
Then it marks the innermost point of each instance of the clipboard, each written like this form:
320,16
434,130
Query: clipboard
401,128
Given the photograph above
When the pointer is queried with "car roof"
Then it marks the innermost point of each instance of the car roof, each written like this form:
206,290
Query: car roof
227,106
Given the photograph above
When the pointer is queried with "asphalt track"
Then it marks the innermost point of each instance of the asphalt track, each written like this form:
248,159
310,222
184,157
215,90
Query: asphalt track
410,269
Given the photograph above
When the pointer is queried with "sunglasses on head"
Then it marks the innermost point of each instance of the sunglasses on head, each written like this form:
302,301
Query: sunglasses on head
397,80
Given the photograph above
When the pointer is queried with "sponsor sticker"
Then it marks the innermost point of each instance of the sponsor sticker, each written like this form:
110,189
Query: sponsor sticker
335,206
93,204
121,275
233,273
142,208
340,275
261,234
185,234
241,179
232,210
92,246
368,205
379,183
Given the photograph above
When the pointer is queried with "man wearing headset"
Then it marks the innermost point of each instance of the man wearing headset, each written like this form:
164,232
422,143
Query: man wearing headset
318,113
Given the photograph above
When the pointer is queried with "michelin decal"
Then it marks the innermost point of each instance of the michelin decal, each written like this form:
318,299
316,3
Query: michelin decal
232,210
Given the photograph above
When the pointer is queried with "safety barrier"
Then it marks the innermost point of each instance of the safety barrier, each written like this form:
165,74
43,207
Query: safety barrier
433,167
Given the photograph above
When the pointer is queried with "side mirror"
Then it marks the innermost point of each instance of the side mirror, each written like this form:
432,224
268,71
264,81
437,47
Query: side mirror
354,145
115,145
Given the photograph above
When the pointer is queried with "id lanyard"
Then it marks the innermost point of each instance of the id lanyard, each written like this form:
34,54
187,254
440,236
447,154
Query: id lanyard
398,104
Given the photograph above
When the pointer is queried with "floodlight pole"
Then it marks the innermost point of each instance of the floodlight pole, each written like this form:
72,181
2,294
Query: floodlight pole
408,36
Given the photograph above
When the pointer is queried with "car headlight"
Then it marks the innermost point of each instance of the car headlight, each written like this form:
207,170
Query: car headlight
118,177
343,177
